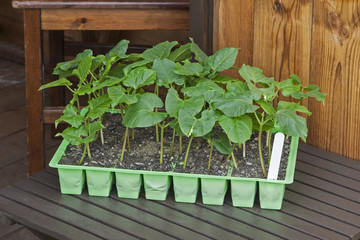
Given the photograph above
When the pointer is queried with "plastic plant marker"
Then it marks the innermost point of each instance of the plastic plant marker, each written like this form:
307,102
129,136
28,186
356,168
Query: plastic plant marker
243,193
271,195
276,156
213,190
72,181
185,188
128,185
99,182
156,186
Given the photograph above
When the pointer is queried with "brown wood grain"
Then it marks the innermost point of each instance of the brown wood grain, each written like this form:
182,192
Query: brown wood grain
114,19
234,27
282,38
33,96
335,68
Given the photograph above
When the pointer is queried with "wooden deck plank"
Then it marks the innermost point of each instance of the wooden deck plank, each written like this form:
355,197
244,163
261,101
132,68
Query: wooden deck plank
323,208
325,197
240,214
50,226
328,176
12,148
327,165
13,97
136,214
87,209
332,188
333,157
232,225
62,213
15,121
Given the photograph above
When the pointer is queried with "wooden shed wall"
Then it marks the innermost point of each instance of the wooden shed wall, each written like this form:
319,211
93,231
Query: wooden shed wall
319,40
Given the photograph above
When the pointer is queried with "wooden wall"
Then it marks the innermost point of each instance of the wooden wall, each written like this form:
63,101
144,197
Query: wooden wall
317,40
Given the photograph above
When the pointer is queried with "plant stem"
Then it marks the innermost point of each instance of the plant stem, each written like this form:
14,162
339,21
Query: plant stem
156,110
198,143
132,134
180,144
244,150
88,150
83,155
187,151
102,137
161,143
211,149
128,141
268,141
260,151
124,144
233,156
172,143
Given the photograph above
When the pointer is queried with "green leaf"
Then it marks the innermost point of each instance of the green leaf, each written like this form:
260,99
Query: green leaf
203,86
189,69
287,87
238,129
269,125
222,144
98,106
190,125
109,82
98,61
234,106
223,59
174,124
237,88
59,82
84,89
83,69
200,56
310,91
71,116
93,129
117,71
295,78
141,63
119,50
173,104
254,74
140,77
117,95
141,114
291,124
164,72
73,135
224,79
266,106
180,54
162,50
291,106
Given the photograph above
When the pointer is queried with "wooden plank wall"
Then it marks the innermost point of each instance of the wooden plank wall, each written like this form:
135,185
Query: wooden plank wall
317,40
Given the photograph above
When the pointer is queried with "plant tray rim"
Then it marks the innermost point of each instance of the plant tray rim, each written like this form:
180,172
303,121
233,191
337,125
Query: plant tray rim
289,177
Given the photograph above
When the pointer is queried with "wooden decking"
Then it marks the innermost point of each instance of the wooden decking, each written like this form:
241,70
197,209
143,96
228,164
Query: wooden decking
322,203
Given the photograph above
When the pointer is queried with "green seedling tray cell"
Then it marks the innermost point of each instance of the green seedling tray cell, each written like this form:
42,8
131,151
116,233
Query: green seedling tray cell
128,185
99,183
185,188
156,184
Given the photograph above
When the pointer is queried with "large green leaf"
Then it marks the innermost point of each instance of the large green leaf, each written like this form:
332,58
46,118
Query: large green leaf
291,106
119,50
73,135
93,128
141,63
237,88
174,124
189,69
140,77
84,89
266,106
223,59
162,50
254,74
71,116
200,56
59,82
173,104
190,125
66,67
117,95
222,144
238,129
203,86
141,114
98,106
83,69
180,54
291,124
108,82
234,106
287,87
310,91
164,72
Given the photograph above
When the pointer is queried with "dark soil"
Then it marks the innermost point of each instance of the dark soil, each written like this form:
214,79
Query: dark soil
144,153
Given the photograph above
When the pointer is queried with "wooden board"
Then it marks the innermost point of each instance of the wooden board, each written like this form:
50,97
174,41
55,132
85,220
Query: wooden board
315,207
131,19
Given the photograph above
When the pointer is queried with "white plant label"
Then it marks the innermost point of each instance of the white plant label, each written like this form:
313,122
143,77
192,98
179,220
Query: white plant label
276,156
